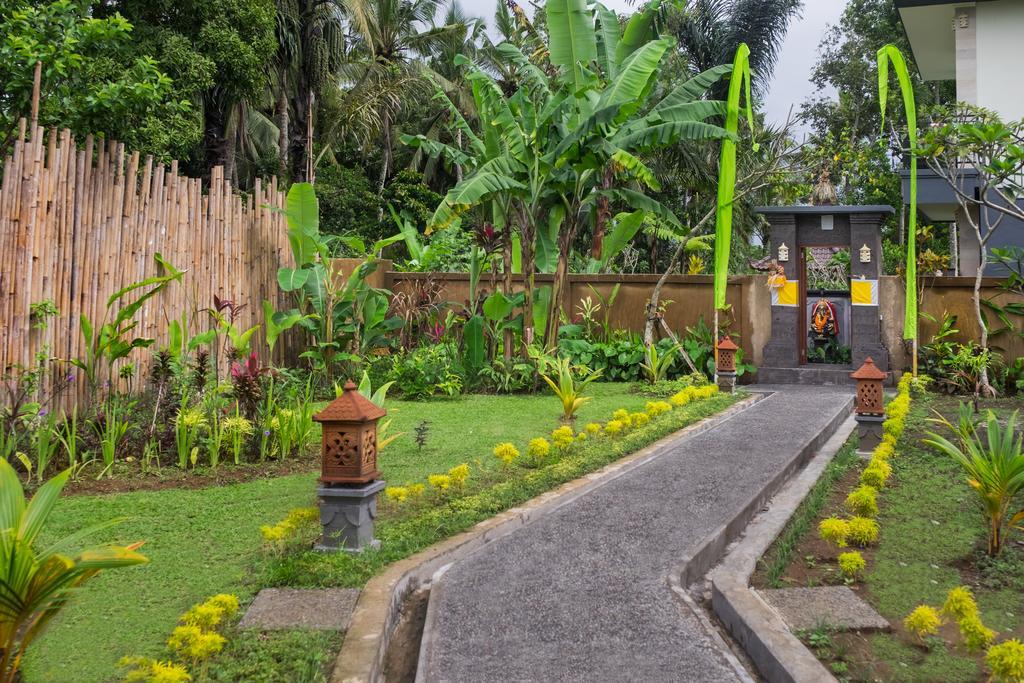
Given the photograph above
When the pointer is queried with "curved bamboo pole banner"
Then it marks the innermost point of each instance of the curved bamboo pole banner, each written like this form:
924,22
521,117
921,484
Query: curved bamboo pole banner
886,54
727,176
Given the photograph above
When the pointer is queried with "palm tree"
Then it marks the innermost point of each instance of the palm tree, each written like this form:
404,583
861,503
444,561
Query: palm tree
310,56
709,32
388,36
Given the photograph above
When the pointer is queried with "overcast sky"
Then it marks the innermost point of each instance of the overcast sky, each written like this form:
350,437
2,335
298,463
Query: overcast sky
790,85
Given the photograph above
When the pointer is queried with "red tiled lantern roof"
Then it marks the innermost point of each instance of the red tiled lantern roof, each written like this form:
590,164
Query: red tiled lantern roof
727,344
351,406
869,371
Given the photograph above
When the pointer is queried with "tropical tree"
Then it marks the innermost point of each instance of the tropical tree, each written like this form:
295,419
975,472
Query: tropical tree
709,31
548,145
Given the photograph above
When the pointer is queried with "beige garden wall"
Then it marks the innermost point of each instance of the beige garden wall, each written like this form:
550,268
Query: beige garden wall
691,297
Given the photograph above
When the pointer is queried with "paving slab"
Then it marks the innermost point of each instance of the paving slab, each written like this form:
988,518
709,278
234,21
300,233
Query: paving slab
583,593
836,606
321,609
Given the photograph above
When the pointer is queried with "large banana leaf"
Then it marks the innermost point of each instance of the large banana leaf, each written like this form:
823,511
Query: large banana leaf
547,240
624,228
571,36
886,54
641,202
492,178
607,30
634,81
639,31
640,139
694,88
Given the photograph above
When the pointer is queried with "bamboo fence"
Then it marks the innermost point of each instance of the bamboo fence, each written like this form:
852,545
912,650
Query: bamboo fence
79,223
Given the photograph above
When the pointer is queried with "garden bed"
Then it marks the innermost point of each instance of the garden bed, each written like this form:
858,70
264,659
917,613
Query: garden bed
932,539
203,541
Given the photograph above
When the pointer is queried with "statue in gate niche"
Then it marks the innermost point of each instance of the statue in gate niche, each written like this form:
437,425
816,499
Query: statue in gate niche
824,321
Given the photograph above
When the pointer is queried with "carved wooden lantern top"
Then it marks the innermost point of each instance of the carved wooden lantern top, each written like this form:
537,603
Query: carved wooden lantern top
727,355
870,396
349,449
351,406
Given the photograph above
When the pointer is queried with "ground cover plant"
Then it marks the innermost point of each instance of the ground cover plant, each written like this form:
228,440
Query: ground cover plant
931,559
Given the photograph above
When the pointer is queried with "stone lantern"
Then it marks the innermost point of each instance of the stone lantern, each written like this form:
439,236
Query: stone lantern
726,368
870,410
349,478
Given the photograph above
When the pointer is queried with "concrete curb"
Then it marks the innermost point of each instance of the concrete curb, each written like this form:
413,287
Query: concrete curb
779,655
379,607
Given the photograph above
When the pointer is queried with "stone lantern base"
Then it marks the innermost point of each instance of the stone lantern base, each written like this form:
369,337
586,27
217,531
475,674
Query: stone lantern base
727,382
347,515
869,431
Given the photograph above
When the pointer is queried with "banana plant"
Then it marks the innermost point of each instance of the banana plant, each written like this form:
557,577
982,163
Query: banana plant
109,342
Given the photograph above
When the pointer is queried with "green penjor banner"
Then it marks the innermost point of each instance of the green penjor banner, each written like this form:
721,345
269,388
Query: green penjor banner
727,169
891,53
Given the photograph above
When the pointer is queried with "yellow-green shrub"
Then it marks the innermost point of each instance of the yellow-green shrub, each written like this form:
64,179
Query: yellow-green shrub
563,437
440,482
656,408
863,501
975,634
146,670
279,533
960,603
614,427
834,530
923,621
459,474
622,415
876,474
538,448
396,494
680,399
1006,661
862,531
851,564
884,451
639,419
416,490
506,453
593,428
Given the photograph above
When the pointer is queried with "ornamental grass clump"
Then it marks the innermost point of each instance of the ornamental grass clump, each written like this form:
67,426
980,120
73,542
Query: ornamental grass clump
851,564
835,531
1006,661
568,388
237,429
506,453
862,531
923,621
863,501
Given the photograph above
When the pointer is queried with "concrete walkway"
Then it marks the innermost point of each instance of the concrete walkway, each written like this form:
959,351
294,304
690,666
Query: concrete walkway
583,593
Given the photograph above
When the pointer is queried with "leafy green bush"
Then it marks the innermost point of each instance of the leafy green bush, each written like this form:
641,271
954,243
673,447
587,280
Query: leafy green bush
348,203
428,371
621,360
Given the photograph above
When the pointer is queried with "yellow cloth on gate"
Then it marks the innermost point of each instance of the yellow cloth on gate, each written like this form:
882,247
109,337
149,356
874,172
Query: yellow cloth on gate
864,292
787,295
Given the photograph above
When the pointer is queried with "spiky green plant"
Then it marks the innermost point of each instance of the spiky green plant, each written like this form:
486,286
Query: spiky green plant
35,583
994,465
569,387
657,363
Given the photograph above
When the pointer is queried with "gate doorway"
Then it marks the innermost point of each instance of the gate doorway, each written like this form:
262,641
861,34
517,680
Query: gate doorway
825,306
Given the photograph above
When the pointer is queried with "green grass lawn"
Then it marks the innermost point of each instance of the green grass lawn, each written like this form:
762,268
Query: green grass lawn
206,541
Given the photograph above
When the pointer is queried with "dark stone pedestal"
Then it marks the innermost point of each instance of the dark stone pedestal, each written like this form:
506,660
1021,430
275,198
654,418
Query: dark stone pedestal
727,382
869,430
347,515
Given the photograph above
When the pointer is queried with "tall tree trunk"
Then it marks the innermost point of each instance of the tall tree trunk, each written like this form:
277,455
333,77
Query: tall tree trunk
385,162
602,215
215,134
565,240
235,123
508,339
527,233
281,115
458,145
651,313
299,129
984,387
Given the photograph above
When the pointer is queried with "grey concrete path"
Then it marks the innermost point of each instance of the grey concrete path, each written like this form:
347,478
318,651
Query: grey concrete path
583,594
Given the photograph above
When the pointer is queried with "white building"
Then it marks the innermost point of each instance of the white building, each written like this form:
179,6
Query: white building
979,45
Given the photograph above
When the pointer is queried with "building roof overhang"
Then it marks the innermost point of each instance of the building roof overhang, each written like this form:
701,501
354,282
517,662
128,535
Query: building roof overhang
929,27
